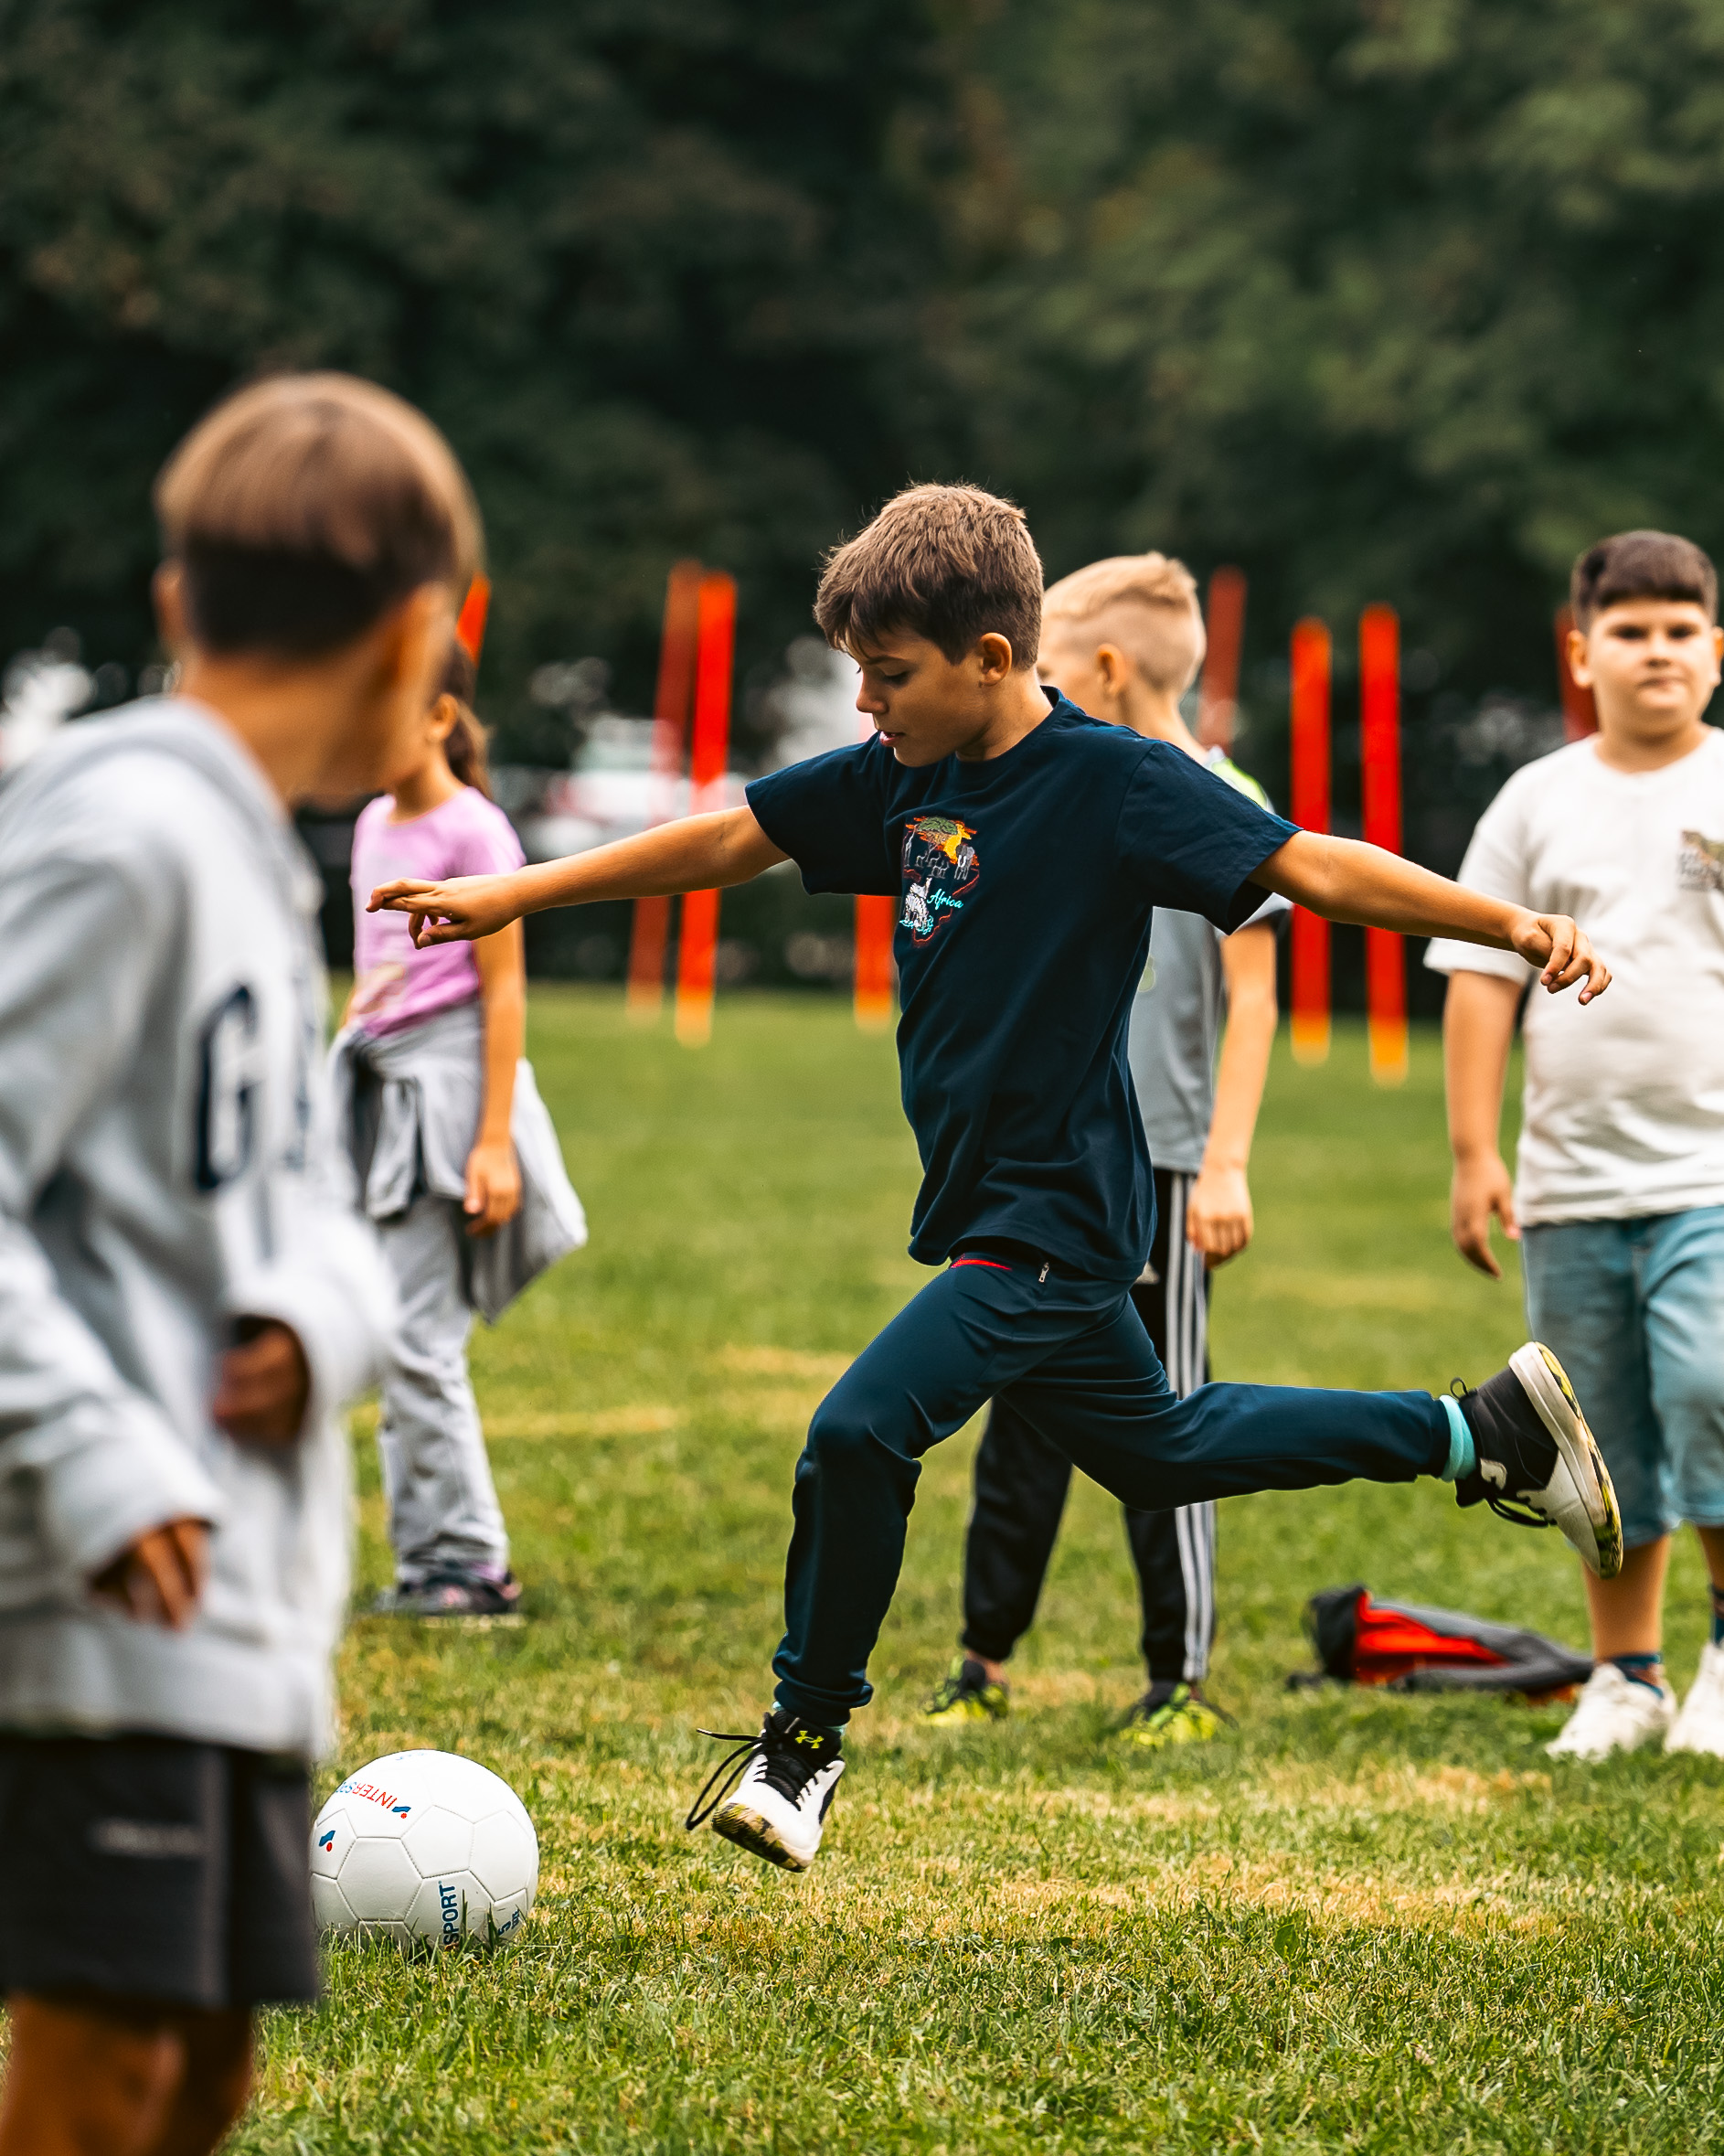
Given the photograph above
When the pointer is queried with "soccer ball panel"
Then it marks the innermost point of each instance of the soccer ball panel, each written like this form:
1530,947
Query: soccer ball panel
331,1837
437,1842
504,1855
329,1905
377,1881
445,1910
508,1917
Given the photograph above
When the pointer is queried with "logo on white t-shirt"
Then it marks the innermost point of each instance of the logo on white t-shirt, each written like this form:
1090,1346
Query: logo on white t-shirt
1700,864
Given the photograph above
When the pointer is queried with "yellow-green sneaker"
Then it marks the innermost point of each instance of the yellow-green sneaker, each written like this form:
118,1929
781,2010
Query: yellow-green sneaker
968,1694
1173,1714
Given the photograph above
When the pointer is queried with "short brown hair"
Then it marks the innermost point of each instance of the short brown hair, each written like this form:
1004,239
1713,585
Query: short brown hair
1640,565
1145,603
303,507
950,563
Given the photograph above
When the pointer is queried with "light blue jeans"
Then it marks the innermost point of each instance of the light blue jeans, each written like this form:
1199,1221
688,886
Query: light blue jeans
1635,1310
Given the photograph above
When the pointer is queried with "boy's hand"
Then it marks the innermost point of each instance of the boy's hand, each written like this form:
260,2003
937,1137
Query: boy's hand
1482,1187
494,1187
452,912
264,1385
1219,1214
1565,954
159,1578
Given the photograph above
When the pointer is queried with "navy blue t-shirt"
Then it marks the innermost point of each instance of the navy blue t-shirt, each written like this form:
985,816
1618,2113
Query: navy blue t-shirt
1025,887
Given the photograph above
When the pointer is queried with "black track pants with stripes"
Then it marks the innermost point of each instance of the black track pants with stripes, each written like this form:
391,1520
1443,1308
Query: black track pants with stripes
1021,1481
1069,1351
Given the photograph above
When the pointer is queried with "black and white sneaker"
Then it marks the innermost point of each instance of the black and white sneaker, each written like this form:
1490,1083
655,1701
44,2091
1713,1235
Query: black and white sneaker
774,1790
1538,1465
452,1595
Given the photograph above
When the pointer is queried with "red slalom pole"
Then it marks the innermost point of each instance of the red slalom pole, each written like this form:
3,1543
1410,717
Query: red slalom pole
715,656
876,918
1379,770
470,623
651,928
1310,669
1224,626
1580,711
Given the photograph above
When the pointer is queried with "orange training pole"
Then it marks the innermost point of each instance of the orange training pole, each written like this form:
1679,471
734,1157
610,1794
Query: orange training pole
1224,622
715,655
1310,811
670,721
470,623
876,917
1580,711
1379,768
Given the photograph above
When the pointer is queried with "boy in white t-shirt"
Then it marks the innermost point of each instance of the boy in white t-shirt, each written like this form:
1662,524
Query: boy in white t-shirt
1619,1199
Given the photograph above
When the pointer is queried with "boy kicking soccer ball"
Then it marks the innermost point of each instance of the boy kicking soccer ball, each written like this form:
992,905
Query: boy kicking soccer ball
1036,843
1123,640
1618,1202
186,1298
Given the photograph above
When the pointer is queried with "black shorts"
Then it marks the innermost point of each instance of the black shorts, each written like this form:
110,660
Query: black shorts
148,1867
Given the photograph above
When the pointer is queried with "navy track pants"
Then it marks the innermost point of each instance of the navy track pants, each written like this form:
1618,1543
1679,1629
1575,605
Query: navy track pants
1071,1356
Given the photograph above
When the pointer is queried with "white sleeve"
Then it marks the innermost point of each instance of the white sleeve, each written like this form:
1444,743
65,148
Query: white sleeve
82,942
1495,864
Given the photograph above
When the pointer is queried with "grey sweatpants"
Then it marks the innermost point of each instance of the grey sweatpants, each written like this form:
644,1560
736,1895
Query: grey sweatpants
443,1511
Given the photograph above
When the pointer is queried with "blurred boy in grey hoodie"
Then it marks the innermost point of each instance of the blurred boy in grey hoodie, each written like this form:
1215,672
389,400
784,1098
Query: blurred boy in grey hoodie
184,1295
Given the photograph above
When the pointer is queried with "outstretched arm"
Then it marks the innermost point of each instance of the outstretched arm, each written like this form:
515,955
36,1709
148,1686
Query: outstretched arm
1347,881
696,853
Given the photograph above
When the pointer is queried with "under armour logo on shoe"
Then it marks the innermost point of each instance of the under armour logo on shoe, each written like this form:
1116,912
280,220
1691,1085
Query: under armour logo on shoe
808,1736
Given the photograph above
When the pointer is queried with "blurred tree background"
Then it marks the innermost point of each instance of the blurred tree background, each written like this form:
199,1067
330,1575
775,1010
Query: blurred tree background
1380,299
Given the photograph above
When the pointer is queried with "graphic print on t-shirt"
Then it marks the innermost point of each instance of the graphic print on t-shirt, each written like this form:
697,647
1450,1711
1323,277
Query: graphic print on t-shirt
1700,864
939,867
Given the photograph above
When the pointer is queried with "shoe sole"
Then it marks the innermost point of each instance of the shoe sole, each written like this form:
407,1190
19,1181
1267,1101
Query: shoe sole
1546,1384
959,1717
749,1831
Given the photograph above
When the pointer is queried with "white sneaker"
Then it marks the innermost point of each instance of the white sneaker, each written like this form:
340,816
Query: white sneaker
1700,1726
788,1776
1613,1714
1538,1465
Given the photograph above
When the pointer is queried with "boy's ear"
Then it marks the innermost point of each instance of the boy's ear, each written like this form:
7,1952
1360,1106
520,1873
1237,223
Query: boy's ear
1578,665
995,654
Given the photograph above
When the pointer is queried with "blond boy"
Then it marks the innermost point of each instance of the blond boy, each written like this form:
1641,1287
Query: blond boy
1124,639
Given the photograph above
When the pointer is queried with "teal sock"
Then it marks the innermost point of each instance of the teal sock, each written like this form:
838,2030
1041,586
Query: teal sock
1639,1669
1462,1453
1717,1617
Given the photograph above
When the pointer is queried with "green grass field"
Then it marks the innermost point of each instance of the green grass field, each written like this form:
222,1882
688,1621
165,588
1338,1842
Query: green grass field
1363,1922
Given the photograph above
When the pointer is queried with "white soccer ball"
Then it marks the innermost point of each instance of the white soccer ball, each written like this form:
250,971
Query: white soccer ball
424,1846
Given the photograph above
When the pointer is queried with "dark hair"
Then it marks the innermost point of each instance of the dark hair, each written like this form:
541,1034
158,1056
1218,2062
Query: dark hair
467,744
950,563
306,507
1640,565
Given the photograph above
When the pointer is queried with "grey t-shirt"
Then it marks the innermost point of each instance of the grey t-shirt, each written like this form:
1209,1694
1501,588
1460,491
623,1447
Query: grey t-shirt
1176,1017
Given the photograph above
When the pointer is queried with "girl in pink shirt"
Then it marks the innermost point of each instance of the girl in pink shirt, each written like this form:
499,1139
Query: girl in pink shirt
433,1040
